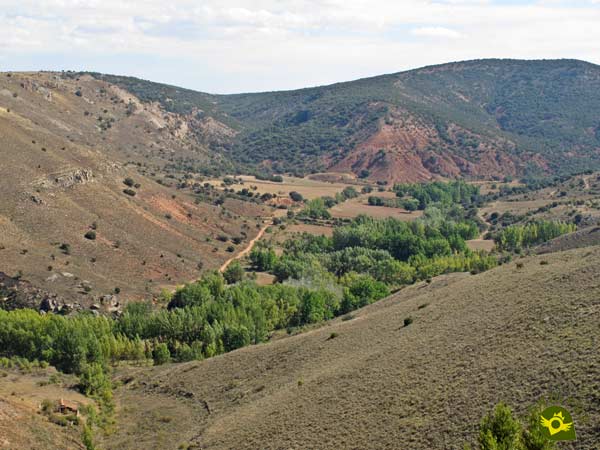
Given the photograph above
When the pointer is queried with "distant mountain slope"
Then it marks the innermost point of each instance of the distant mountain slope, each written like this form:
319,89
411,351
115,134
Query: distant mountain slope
512,334
480,118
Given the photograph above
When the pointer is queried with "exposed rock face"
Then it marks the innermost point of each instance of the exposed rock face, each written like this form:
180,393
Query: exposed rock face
34,86
64,179
71,178
18,294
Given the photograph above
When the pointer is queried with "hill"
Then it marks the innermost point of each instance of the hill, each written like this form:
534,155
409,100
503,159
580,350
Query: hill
91,202
516,334
484,118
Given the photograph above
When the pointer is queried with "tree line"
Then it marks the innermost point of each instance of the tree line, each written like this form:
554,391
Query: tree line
453,192
515,238
389,251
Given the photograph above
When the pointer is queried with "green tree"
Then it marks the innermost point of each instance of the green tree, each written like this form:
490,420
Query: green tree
93,380
296,196
533,438
499,430
161,354
263,259
234,273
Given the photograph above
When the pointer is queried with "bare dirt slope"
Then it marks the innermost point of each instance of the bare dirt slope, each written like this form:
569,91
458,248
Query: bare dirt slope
67,145
511,334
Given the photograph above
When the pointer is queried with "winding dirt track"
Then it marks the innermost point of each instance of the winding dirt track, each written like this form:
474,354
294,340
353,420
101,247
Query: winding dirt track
247,250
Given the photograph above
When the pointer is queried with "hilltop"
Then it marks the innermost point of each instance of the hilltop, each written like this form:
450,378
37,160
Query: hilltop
516,334
478,119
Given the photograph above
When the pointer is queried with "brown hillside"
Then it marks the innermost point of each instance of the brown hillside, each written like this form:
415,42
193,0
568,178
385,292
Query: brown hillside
406,149
67,146
510,334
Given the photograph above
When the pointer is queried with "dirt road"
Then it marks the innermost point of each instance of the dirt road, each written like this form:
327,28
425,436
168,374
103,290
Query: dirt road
246,250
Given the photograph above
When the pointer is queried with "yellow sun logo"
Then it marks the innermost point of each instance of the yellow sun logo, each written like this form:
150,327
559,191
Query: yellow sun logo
557,424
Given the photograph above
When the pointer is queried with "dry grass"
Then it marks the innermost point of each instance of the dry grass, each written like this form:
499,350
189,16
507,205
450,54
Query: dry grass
264,278
512,335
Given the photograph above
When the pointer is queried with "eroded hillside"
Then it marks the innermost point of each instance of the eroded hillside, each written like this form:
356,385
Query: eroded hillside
90,201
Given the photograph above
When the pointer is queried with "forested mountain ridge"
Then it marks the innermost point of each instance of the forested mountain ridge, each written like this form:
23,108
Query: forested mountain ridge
483,118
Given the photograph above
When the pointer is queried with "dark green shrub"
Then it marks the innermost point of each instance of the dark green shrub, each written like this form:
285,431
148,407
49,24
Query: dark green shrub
234,273
161,354
296,196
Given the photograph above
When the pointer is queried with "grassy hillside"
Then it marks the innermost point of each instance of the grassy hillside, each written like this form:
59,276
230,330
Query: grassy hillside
514,334
476,118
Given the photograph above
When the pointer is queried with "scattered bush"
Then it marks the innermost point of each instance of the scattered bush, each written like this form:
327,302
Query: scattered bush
296,196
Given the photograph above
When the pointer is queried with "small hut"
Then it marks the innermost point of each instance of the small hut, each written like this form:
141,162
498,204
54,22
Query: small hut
67,407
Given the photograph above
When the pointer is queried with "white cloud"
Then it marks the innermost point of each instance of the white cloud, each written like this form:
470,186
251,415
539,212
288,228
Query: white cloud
235,45
436,32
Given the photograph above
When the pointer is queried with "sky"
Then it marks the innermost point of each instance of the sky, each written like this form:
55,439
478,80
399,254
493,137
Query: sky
228,46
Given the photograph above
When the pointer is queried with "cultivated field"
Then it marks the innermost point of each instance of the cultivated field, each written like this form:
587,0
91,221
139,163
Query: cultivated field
309,188
317,230
359,205
577,195
481,244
